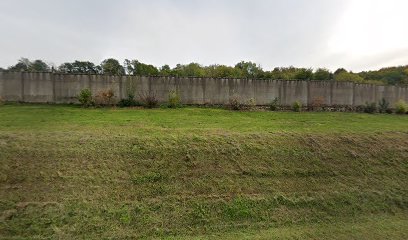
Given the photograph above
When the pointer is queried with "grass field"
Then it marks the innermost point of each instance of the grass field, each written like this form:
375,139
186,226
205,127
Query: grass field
199,173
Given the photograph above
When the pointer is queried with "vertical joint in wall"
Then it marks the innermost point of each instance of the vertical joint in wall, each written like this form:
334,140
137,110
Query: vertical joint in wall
53,87
22,86
353,101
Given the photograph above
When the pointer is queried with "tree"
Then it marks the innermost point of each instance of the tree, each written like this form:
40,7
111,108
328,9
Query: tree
249,69
348,77
304,74
23,65
135,67
222,71
340,70
84,67
165,70
39,66
189,70
112,66
322,74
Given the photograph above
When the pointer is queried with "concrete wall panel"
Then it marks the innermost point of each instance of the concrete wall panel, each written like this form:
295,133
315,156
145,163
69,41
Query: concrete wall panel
319,90
12,83
38,87
364,93
64,88
342,93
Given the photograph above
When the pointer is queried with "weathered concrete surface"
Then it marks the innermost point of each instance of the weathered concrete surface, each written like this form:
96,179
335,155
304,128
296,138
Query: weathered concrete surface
319,91
342,93
12,86
64,88
38,87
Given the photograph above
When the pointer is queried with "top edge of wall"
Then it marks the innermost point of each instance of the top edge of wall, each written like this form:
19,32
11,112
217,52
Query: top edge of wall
158,76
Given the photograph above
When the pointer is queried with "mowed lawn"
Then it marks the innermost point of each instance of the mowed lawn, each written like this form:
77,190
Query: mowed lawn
201,173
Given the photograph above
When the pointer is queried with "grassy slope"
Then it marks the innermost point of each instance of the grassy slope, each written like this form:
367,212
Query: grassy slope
98,173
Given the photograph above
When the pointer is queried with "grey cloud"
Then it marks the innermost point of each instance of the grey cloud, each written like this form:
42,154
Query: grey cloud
272,33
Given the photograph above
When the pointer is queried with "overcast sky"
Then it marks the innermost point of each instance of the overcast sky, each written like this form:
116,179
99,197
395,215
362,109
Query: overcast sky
354,34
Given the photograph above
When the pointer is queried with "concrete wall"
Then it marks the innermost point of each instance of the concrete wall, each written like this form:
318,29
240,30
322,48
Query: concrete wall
64,88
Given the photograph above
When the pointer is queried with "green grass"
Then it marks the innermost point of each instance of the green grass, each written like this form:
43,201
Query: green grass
68,172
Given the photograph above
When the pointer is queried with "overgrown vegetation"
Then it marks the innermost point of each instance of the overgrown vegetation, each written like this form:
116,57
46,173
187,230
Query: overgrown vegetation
149,99
85,97
317,104
237,103
275,104
130,101
401,107
243,69
174,99
104,98
297,106
201,173
370,107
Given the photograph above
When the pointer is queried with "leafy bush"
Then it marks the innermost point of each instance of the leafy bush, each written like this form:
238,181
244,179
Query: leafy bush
129,101
297,106
383,106
85,97
235,103
250,104
274,105
174,99
370,107
149,99
401,107
2,101
104,98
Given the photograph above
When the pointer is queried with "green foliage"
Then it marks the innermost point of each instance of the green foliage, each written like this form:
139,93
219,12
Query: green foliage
85,97
249,69
222,71
129,101
244,69
383,106
80,67
297,106
189,70
401,107
390,75
134,67
274,105
370,107
304,74
174,99
2,101
112,66
345,76
322,74
25,65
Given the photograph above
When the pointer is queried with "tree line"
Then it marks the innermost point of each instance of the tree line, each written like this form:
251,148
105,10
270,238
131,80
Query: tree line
243,69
